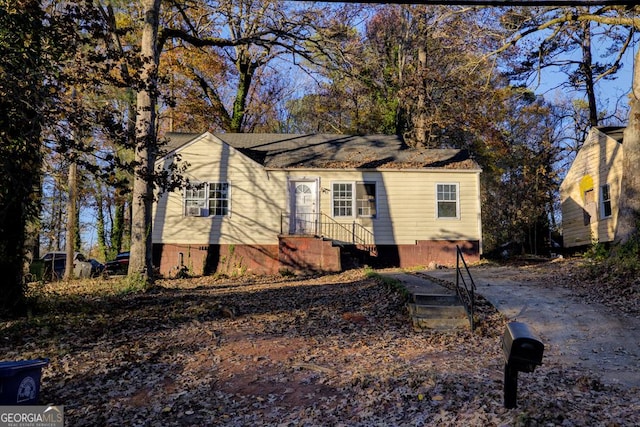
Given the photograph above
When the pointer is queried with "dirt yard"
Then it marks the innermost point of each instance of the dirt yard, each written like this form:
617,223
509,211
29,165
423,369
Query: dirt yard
333,350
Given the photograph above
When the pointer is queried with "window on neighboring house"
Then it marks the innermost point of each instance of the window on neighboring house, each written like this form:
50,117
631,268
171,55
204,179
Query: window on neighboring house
348,203
207,199
605,201
447,200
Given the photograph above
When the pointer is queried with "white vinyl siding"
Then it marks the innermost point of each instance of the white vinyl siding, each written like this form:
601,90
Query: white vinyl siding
406,204
256,200
598,163
404,201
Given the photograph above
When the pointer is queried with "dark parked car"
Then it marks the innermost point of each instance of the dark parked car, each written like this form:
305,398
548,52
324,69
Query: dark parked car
120,265
54,264
96,267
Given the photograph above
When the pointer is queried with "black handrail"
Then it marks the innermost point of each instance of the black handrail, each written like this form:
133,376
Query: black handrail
322,225
333,230
357,235
466,292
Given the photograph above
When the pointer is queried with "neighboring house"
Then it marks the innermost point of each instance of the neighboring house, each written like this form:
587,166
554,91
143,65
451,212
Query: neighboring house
590,191
264,203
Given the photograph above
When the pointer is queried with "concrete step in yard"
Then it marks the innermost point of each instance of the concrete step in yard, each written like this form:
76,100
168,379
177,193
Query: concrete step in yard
439,312
435,299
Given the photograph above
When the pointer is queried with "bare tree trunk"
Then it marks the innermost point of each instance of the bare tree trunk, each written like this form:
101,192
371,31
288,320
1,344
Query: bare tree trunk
121,231
401,111
57,219
140,261
421,108
629,207
245,70
100,224
587,68
72,206
118,225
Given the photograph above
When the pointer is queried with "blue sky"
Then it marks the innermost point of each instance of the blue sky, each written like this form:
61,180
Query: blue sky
608,92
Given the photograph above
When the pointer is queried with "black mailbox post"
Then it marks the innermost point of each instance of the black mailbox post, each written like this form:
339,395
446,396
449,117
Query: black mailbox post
522,353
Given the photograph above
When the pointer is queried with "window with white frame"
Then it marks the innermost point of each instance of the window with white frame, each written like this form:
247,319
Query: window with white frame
366,199
342,199
351,199
447,201
207,199
605,201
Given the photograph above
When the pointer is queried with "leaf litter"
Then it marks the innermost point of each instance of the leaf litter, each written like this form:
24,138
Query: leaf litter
329,350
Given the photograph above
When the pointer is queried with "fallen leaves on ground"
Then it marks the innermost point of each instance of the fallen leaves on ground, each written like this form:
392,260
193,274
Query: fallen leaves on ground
333,350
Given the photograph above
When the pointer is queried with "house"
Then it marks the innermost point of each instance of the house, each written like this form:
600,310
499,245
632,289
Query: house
264,203
589,193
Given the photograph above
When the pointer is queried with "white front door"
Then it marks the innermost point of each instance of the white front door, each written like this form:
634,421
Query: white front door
304,214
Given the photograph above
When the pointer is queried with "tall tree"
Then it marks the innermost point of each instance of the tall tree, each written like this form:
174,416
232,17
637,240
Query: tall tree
140,261
75,57
416,71
629,206
568,47
285,35
133,53
518,175
21,101
72,219
628,17
231,57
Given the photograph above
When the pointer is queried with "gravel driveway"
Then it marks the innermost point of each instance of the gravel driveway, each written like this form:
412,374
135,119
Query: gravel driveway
576,333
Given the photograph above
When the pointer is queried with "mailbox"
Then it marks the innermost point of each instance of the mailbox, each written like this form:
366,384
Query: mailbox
522,349
522,353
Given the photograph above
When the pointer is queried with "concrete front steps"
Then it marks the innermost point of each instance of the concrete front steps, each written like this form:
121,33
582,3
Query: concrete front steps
437,312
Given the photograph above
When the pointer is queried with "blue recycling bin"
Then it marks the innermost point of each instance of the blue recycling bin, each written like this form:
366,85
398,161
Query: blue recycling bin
20,381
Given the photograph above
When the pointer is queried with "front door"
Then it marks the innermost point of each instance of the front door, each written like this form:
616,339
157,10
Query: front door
304,217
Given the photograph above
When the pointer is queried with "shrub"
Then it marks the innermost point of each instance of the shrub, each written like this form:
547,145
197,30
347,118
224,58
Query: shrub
597,251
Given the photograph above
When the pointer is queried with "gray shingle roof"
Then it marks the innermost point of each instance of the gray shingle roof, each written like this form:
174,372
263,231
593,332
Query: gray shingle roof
615,132
175,140
286,151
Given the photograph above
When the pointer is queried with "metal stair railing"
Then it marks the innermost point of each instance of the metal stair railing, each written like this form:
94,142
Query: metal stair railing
333,230
465,291
365,239
353,233
326,227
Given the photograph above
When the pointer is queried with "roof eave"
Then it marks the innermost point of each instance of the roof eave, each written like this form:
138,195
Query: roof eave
440,170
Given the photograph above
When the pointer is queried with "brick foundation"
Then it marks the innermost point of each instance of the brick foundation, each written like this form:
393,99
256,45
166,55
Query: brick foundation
425,252
300,254
208,259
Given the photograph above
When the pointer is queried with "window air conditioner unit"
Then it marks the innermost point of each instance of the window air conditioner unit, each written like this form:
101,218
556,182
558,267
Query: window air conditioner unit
194,211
